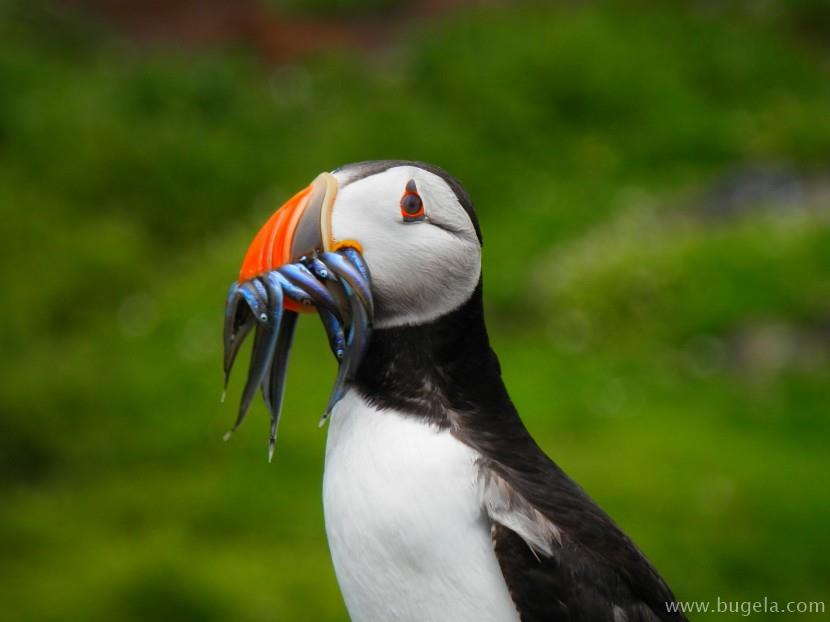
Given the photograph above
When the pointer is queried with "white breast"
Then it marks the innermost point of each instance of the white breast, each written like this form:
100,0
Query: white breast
407,533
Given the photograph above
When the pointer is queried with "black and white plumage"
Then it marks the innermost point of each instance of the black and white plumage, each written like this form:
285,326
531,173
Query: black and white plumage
438,503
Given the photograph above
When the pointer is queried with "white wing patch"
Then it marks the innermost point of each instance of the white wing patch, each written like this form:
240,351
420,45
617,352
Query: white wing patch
619,614
508,508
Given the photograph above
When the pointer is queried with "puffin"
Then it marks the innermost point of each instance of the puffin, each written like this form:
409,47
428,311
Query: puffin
438,503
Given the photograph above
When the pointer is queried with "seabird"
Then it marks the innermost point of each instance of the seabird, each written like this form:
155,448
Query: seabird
439,505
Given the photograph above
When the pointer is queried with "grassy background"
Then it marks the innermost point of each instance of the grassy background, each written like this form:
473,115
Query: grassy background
666,342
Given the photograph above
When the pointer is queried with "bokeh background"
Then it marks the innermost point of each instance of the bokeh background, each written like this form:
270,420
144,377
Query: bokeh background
653,181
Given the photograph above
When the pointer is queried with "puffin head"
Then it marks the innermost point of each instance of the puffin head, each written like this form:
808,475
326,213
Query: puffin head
412,222
374,244
418,234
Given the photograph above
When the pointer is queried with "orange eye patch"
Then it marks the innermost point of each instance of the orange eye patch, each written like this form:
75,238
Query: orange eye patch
412,207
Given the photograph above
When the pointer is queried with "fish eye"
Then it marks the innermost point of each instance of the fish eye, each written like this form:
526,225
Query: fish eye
412,207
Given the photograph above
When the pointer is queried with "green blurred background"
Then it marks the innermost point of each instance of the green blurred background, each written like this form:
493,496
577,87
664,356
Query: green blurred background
653,181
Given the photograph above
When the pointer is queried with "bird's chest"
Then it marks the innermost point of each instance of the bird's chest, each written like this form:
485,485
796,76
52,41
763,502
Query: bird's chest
407,533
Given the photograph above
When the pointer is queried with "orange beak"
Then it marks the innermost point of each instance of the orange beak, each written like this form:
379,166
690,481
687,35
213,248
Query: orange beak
302,226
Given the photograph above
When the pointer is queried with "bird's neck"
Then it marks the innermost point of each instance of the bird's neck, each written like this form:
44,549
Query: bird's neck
432,369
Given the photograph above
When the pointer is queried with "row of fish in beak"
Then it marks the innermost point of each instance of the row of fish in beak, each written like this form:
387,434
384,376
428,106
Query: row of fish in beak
338,285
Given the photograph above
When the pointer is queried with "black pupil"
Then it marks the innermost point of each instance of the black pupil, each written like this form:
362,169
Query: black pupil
411,204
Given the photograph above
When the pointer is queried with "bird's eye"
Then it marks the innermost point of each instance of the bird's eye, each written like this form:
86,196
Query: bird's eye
412,207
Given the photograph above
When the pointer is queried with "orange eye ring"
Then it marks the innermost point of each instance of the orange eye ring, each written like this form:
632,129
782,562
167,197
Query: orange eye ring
412,207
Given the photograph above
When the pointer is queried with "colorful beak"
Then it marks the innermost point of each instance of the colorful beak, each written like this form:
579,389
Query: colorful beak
294,264
300,228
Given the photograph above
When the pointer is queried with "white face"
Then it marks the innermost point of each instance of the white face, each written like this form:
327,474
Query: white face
420,270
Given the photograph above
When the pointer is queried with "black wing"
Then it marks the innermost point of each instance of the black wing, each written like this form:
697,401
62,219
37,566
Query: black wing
591,570
566,586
